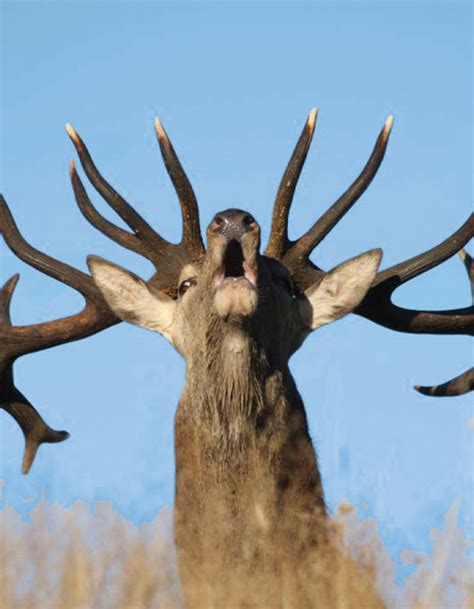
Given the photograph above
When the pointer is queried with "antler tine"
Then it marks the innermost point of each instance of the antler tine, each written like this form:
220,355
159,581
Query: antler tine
117,234
278,242
76,279
192,238
469,264
457,386
303,247
411,268
34,428
464,382
6,293
140,227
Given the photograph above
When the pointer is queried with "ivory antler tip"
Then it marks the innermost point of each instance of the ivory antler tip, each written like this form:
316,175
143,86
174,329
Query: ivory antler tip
160,129
13,280
10,285
388,124
72,133
72,166
425,390
312,117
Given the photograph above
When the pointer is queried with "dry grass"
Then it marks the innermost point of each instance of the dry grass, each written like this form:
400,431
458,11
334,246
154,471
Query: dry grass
82,558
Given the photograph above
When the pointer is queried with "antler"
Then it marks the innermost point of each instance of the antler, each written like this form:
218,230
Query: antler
169,258
377,305
34,428
16,341
464,382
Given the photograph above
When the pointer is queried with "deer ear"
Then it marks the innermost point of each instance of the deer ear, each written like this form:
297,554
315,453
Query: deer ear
130,298
340,291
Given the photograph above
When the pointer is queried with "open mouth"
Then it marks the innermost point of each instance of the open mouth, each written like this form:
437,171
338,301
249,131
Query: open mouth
234,260
234,266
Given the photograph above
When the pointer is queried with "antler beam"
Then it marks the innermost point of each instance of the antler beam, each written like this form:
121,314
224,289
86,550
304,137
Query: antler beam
94,317
378,307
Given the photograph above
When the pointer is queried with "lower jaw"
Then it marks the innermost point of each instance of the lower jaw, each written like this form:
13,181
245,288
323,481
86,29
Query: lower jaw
235,304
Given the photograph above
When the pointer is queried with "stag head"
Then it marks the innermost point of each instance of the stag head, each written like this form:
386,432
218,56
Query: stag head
225,294
232,291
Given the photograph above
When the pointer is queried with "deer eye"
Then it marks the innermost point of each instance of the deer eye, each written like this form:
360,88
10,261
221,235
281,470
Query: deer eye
285,284
185,285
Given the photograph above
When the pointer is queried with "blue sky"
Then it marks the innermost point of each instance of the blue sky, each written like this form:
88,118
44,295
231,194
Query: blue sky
233,84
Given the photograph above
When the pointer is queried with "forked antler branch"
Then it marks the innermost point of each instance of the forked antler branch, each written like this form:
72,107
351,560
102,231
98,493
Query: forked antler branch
279,246
16,341
464,382
95,316
34,428
169,258
377,305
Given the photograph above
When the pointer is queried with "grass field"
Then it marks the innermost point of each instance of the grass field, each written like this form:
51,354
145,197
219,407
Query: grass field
79,557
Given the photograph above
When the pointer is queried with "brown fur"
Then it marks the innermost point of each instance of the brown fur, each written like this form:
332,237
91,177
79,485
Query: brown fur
250,515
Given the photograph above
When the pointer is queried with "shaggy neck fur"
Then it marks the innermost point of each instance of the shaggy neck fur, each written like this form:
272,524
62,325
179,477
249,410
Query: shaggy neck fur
231,385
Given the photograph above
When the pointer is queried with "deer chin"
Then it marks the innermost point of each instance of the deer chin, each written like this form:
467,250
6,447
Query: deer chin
235,297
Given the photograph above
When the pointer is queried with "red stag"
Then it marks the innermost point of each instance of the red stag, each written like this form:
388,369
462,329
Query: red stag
249,498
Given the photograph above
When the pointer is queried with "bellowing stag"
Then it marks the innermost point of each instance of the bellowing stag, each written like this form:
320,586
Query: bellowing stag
249,501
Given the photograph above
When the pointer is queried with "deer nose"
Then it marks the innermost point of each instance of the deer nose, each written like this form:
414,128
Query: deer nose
233,223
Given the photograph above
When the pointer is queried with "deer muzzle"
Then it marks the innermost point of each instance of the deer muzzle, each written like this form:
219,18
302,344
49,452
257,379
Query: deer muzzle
234,238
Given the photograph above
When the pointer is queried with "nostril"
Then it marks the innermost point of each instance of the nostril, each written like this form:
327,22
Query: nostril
217,223
249,220
233,223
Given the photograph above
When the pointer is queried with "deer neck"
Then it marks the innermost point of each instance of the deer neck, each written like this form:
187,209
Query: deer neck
238,389
241,433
